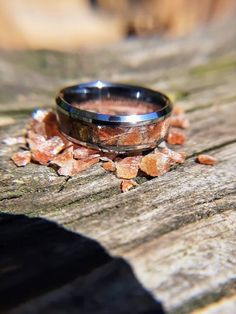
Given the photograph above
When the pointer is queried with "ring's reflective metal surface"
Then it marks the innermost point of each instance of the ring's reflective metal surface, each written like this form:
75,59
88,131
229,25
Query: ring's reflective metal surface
113,117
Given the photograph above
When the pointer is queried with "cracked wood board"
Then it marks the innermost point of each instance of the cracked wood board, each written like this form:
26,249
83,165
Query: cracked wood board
200,73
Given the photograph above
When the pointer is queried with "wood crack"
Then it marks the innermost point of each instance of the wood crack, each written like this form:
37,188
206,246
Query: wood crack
10,197
212,148
62,187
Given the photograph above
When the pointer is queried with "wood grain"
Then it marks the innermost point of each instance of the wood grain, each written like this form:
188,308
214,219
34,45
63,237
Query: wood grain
177,231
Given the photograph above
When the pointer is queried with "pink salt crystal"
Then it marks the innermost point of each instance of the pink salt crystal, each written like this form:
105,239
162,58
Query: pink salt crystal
76,166
175,157
180,121
126,185
45,123
68,170
34,140
39,114
37,125
175,137
70,166
52,128
83,152
64,158
155,164
206,159
86,163
37,128
109,165
177,110
21,159
66,162
161,145
46,151
127,168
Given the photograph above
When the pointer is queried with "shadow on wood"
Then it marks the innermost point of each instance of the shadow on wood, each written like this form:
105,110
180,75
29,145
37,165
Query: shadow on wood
46,269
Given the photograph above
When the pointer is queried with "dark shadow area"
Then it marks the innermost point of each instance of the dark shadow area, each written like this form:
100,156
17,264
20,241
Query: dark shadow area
45,268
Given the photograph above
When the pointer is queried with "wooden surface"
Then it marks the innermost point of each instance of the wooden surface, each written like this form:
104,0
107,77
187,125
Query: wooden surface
176,231
70,273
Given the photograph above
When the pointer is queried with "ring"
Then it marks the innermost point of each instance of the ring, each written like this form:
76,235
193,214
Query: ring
113,117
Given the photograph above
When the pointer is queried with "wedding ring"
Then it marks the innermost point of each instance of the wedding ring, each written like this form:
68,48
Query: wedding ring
113,117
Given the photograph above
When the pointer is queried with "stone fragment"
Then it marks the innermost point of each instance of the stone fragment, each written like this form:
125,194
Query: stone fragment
179,121
83,152
161,145
70,166
52,128
64,158
46,144
51,125
34,140
177,110
206,159
39,114
176,137
45,123
174,157
76,166
21,159
47,150
36,124
126,185
127,168
155,164
109,166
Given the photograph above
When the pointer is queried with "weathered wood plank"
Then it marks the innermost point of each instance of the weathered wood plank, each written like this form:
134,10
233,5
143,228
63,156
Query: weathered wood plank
182,196
174,229
194,263
96,184
169,65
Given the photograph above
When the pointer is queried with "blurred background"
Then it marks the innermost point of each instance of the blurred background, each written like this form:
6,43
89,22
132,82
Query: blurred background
71,24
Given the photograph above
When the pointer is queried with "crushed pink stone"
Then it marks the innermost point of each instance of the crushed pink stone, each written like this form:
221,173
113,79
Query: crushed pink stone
21,159
155,165
179,121
127,185
128,167
47,150
49,147
176,137
84,152
174,156
177,110
206,159
109,166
